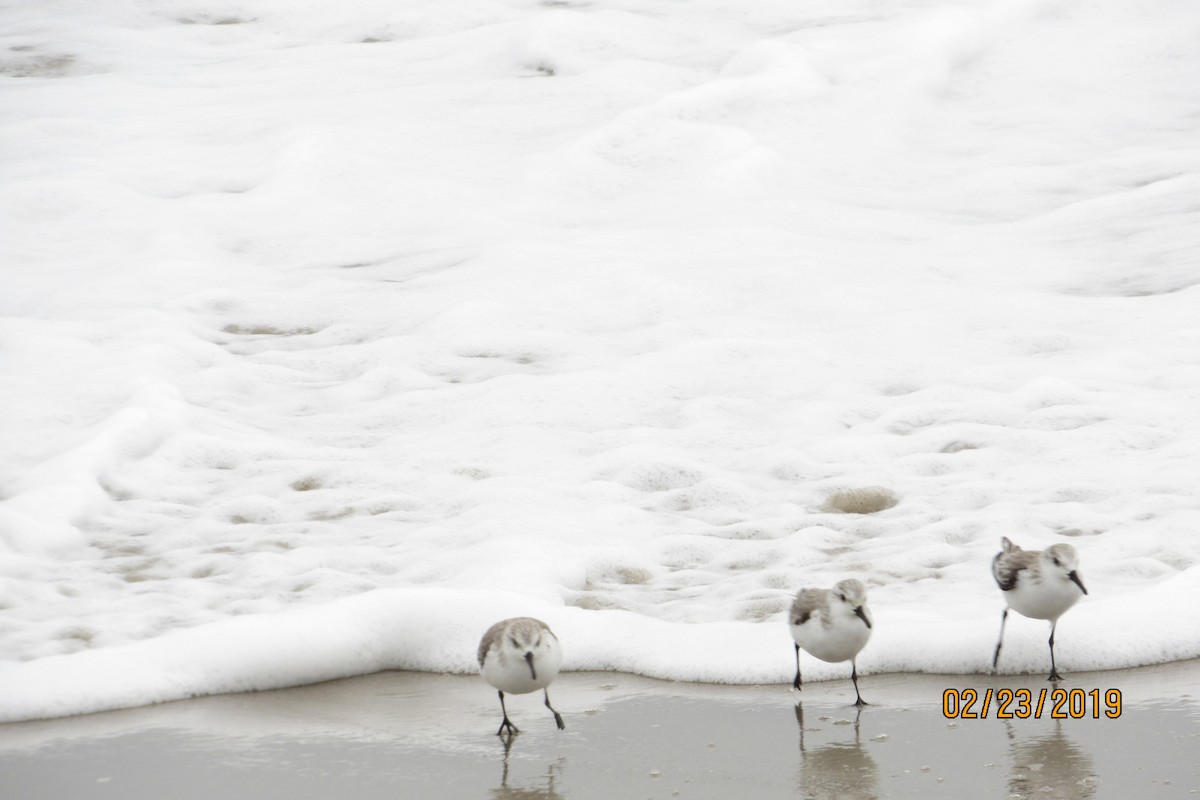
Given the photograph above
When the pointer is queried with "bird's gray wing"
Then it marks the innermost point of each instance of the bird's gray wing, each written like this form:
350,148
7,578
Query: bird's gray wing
807,603
1006,566
485,644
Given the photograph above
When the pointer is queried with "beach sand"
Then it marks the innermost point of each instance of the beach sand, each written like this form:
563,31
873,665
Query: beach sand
414,735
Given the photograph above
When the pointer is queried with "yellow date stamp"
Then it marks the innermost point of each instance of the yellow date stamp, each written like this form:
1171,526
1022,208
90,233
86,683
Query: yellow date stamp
1026,703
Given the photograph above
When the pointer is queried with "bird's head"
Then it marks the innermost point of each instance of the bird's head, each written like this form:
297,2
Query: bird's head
852,594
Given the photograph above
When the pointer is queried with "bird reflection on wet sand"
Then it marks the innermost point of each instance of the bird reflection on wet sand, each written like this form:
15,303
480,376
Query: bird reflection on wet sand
836,770
1050,766
544,792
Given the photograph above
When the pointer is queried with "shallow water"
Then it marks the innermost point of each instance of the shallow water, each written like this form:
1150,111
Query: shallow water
401,734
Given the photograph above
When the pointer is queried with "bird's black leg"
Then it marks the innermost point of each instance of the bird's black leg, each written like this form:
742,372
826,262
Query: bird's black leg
858,701
1054,676
1000,641
557,717
505,724
796,682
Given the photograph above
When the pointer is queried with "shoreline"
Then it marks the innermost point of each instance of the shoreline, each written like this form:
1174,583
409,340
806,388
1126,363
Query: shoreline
424,734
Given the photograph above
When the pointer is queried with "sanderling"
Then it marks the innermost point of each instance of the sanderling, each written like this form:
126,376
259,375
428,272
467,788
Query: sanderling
833,625
518,656
1039,584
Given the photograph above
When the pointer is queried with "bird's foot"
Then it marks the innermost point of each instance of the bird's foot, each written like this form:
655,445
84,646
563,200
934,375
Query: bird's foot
558,720
512,729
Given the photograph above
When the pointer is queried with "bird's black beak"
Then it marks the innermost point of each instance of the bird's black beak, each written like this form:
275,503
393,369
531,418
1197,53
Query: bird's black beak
529,658
863,616
1073,575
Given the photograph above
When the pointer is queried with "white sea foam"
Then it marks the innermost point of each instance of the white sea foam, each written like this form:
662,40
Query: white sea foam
334,334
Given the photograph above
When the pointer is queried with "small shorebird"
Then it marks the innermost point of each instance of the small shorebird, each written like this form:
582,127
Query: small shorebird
1039,584
518,656
833,625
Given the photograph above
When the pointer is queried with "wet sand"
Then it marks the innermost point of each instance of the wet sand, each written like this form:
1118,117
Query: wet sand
406,735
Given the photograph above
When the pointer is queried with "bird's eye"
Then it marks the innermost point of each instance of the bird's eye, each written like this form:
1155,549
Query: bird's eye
841,597
515,643
1057,563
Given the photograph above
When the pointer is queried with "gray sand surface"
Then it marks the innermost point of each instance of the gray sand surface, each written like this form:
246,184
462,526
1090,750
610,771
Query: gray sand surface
401,735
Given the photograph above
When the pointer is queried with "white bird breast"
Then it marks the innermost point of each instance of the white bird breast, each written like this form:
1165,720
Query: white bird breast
506,668
841,641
